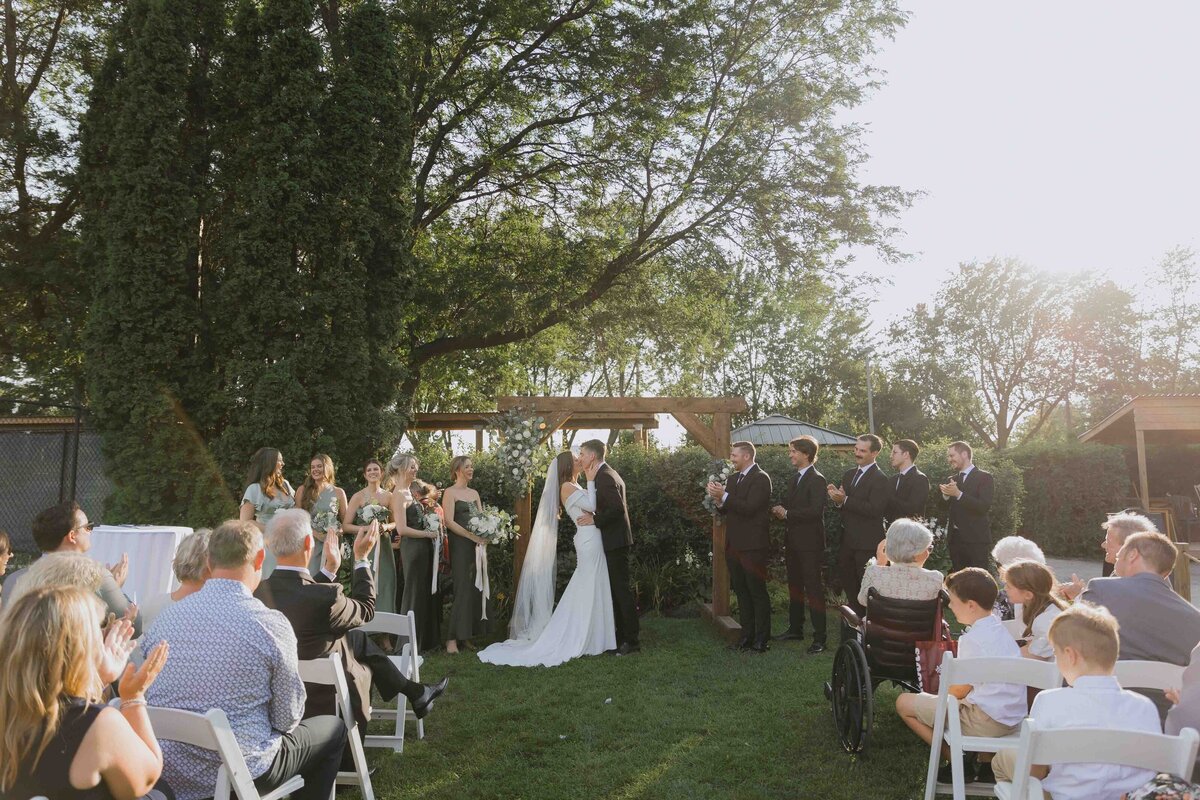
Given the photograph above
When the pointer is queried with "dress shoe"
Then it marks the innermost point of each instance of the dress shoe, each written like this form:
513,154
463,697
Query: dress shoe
760,646
970,767
627,648
984,773
422,705
790,636
815,647
741,644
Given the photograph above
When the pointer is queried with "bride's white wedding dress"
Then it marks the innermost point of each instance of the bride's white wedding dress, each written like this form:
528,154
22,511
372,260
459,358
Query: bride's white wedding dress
582,623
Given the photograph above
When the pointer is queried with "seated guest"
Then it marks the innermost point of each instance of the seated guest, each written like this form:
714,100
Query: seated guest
1006,551
897,570
1117,529
989,709
1085,644
190,566
1165,787
57,738
1030,585
324,619
1185,711
64,528
1156,624
231,652
60,569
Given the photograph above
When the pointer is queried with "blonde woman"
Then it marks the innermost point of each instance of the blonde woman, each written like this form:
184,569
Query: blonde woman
460,501
321,499
61,569
56,738
267,492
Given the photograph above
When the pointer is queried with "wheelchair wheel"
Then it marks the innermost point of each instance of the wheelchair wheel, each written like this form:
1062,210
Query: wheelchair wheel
851,696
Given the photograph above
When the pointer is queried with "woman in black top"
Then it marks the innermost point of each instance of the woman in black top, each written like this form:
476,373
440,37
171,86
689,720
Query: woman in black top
56,739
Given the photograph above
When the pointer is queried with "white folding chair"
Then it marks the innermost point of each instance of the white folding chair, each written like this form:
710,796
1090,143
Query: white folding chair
403,627
211,731
328,672
1153,751
1148,675
947,726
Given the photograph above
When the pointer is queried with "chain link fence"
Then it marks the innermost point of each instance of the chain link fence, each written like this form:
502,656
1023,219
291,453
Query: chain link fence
47,456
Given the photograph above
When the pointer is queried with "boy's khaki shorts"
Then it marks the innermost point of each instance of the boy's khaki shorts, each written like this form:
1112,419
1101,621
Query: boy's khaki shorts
973,720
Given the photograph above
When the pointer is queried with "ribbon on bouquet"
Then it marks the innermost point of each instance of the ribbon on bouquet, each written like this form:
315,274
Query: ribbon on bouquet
437,559
481,576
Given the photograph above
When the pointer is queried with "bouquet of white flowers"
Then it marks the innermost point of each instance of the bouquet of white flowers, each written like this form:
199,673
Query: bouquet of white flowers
718,472
374,512
493,525
322,521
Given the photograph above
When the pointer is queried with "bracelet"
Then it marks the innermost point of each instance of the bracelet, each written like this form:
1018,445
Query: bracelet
133,702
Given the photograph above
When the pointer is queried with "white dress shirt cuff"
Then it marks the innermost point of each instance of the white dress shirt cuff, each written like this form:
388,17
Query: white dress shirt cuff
328,574
366,562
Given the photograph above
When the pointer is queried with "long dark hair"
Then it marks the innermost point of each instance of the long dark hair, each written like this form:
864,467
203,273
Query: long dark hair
565,463
262,471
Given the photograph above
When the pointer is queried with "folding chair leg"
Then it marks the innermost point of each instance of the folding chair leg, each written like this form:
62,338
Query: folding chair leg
935,757
420,729
361,776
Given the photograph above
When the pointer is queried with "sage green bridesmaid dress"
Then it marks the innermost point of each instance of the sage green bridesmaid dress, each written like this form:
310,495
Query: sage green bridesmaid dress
417,554
467,610
325,502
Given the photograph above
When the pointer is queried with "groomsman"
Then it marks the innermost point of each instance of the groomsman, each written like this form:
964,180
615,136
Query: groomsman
863,499
803,515
969,492
910,486
746,504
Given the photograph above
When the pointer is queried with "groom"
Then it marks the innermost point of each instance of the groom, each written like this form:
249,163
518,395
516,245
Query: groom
607,492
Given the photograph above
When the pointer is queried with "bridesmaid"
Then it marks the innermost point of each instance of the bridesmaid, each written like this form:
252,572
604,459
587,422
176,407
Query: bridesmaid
416,550
318,495
353,522
268,492
461,501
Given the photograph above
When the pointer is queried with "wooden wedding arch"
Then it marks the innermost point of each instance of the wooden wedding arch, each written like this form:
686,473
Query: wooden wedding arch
619,413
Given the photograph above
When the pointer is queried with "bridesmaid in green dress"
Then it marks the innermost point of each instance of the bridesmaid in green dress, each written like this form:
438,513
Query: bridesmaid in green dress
323,501
354,522
417,549
268,491
466,613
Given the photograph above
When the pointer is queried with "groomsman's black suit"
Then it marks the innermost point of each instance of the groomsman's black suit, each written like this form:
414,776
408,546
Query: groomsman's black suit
747,511
804,550
970,530
612,518
863,512
910,493
324,620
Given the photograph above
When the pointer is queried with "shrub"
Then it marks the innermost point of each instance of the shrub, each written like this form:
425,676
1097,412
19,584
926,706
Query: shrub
1069,488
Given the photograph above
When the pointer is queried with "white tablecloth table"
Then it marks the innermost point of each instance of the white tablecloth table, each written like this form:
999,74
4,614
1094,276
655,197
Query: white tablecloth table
151,550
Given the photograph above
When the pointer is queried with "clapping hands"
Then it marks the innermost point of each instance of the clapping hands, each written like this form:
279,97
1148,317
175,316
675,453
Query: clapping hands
366,540
114,654
838,496
135,682
120,570
715,490
950,489
779,511
331,554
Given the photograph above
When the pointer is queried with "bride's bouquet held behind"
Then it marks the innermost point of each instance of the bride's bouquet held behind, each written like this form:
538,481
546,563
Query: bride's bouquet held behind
718,472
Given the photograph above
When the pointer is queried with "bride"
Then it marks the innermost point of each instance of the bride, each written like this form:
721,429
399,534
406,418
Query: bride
583,623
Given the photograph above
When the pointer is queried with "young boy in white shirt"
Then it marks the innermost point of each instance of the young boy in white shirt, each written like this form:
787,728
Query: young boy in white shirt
1086,647
989,709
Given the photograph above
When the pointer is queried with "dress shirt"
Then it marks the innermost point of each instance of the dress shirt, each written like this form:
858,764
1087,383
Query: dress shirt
231,652
1095,701
964,473
795,482
1039,641
900,475
1004,702
743,473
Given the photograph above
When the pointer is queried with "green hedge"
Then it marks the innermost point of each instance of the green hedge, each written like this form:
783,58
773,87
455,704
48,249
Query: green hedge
671,563
1068,489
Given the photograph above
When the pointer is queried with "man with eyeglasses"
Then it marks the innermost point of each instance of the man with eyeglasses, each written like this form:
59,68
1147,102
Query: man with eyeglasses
64,528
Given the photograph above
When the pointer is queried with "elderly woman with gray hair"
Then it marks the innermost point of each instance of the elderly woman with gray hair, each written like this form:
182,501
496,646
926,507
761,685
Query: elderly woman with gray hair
897,570
191,570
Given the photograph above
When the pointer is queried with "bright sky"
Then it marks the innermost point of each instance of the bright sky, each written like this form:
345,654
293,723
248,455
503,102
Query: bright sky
1061,133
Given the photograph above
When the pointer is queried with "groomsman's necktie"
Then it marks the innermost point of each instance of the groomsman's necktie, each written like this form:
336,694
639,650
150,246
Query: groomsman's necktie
899,478
861,471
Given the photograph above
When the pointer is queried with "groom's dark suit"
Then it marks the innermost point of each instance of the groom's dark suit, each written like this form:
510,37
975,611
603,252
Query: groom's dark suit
612,518
804,550
747,511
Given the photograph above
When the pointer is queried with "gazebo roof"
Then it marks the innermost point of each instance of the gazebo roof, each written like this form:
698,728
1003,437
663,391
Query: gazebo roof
778,429
1159,417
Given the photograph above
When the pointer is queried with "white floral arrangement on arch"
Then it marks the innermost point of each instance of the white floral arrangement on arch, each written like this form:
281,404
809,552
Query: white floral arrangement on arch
520,435
718,472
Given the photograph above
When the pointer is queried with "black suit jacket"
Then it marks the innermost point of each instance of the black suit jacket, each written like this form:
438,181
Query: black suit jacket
321,615
865,507
969,513
805,503
910,494
747,511
612,513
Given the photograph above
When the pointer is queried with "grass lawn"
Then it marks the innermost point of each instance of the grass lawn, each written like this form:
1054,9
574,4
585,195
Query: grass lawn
687,718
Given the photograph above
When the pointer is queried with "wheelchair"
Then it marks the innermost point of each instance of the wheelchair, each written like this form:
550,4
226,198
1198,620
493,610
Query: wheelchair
881,649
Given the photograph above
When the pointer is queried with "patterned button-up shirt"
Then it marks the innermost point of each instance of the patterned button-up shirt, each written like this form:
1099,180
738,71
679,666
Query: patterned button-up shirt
231,652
